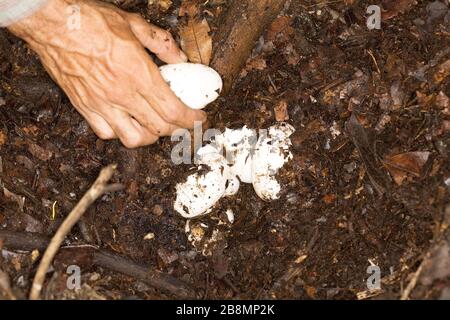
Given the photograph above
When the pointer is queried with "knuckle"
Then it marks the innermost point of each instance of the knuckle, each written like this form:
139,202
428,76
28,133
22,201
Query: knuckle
136,17
105,135
131,140
171,116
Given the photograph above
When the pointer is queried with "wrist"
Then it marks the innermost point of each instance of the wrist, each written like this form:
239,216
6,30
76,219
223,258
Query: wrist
48,20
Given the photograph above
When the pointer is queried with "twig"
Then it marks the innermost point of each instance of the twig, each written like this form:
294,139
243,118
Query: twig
97,189
101,258
5,285
412,283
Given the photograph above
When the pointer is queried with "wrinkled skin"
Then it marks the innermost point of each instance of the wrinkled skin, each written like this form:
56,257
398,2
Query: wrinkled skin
105,71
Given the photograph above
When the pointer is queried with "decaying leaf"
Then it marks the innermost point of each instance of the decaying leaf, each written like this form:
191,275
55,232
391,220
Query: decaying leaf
424,100
281,111
2,138
196,41
442,72
442,101
15,198
410,162
164,5
280,28
190,8
256,64
39,152
329,198
291,55
395,7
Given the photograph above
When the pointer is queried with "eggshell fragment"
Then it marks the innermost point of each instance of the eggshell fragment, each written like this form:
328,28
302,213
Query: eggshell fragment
195,84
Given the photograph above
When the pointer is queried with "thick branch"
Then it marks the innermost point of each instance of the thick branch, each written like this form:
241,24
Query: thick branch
79,255
244,23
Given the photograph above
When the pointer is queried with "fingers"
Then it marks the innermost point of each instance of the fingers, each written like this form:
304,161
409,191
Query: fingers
150,119
156,40
169,107
129,131
99,125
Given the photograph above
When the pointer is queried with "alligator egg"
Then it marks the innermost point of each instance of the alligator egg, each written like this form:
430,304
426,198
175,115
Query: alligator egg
271,153
195,84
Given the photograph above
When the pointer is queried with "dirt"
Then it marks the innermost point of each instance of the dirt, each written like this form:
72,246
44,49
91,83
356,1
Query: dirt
356,97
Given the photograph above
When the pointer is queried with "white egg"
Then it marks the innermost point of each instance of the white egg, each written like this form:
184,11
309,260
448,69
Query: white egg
271,153
238,145
200,192
195,84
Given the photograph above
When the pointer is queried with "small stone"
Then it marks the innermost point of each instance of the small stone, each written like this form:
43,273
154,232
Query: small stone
158,210
230,215
149,236
94,277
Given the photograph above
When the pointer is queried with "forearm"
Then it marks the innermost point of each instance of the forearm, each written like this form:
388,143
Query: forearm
14,10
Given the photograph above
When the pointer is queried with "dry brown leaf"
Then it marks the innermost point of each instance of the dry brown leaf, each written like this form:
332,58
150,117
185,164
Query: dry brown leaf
281,111
256,64
196,41
190,8
311,291
2,138
410,162
15,198
291,55
39,152
442,101
442,73
395,7
280,28
329,198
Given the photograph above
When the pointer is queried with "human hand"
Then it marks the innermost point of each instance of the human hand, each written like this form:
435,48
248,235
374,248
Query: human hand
105,71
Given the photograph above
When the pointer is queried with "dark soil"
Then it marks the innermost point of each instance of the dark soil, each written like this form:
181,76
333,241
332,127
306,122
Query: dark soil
341,210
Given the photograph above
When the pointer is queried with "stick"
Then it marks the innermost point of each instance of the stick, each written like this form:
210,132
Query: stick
154,278
97,189
102,258
412,284
244,23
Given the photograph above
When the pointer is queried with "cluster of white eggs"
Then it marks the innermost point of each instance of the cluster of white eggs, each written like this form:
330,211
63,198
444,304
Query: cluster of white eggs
249,159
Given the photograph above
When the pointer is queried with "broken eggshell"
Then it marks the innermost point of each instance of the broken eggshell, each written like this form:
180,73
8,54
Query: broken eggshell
246,162
195,84
201,191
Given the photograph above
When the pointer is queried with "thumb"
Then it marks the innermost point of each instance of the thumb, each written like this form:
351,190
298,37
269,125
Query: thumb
157,40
